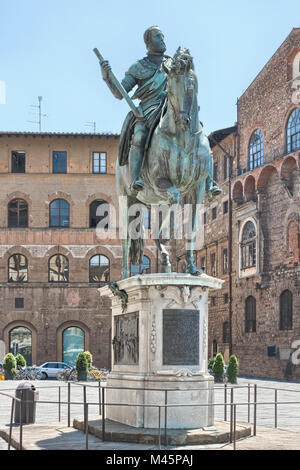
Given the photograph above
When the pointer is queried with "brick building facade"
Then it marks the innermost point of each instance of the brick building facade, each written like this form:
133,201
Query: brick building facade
263,151
51,260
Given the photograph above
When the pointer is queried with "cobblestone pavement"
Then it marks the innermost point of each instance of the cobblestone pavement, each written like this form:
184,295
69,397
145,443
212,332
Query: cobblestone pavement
288,415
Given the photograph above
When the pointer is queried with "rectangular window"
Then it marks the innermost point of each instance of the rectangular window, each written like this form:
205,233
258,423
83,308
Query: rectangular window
203,263
59,162
18,162
204,218
214,213
225,207
99,162
225,261
213,264
19,302
213,301
248,253
226,298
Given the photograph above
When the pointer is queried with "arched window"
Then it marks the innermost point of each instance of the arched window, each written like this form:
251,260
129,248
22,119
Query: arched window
94,218
286,310
143,268
18,213
293,131
250,315
248,246
17,269
256,150
226,332
99,269
20,341
73,343
58,269
59,213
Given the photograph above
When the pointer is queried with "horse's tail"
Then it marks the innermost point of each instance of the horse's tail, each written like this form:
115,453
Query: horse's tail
137,251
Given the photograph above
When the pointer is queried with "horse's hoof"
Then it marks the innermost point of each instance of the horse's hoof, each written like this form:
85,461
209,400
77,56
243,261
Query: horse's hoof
194,271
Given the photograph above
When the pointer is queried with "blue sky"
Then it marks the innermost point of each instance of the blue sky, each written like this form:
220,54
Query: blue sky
46,49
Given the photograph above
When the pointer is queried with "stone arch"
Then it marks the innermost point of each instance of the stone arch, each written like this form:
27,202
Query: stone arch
152,258
99,196
59,195
265,175
249,188
237,192
60,250
17,250
59,336
14,324
288,166
17,195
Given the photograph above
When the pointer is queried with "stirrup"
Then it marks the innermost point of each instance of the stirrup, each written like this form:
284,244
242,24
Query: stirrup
138,185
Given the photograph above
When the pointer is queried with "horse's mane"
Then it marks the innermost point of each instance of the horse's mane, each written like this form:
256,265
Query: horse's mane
182,61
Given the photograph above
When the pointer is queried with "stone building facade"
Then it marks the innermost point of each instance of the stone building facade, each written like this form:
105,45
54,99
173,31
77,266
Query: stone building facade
52,261
262,155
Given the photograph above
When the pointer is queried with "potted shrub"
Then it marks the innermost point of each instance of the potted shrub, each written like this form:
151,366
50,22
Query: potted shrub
10,366
232,369
82,366
89,358
218,368
20,360
211,362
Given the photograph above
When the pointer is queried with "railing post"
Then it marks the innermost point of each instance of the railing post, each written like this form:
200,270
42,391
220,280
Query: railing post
69,404
249,399
255,409
225,402
231,414
234,427
86,428
99,395
159,436
103,414
276,417
21,425
166,415
11,422
59,404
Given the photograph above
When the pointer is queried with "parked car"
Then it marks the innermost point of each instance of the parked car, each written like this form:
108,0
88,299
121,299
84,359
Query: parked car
51,369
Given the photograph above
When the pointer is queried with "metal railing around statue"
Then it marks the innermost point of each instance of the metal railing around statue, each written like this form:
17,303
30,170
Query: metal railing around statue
229,404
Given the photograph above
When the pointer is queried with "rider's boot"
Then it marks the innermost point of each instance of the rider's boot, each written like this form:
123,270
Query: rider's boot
135,166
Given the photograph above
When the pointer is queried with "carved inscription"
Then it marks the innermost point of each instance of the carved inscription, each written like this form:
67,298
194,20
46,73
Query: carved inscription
180,337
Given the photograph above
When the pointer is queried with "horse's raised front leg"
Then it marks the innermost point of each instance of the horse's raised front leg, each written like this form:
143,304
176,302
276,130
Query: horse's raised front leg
197,199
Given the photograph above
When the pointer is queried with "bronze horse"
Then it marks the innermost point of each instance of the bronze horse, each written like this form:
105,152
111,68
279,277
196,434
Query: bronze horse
177,163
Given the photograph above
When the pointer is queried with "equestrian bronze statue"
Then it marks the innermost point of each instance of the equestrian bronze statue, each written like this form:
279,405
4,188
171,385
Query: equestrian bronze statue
164,155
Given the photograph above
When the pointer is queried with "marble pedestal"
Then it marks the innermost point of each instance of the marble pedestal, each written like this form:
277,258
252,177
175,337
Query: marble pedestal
160,343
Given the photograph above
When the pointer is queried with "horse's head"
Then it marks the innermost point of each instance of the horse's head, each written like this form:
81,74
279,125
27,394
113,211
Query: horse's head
182,86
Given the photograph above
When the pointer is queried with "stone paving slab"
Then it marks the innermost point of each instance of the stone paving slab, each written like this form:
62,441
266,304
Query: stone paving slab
59,437
118,432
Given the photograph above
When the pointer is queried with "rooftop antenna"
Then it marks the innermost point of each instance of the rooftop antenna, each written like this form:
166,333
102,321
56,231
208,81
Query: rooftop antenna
40,115
91,124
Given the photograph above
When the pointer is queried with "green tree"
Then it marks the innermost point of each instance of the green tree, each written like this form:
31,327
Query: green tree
218,368
89,358
81,366
21,362
10,366
232,369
